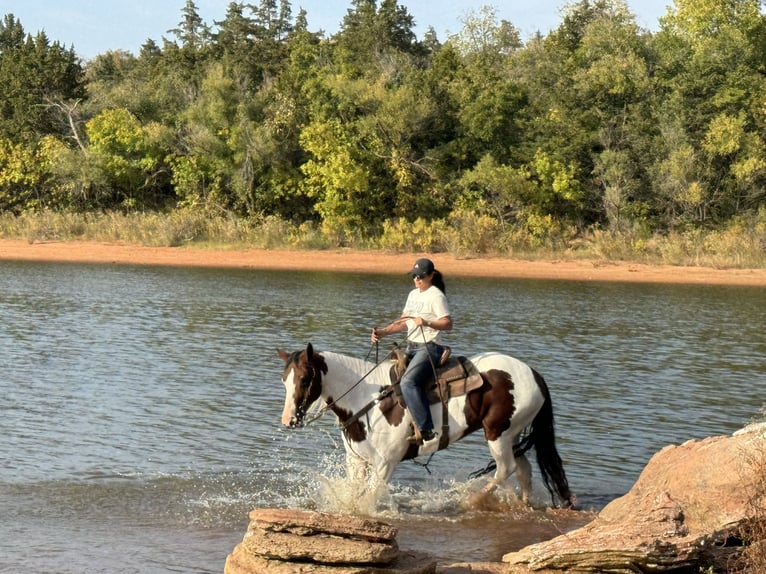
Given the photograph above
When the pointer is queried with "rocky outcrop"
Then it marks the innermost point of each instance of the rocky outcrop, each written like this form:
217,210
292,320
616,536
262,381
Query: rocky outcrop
284,541
695,506
688,510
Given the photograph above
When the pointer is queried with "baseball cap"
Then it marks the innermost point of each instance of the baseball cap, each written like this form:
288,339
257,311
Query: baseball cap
422,267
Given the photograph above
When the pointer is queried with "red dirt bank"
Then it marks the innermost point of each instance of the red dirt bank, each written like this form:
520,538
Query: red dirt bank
373,262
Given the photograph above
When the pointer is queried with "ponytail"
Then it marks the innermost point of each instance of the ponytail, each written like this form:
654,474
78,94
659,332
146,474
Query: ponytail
438,281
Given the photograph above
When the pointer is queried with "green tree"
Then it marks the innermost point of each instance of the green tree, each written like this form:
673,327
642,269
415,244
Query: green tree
335,179
204,154
128,160
712,59
498,190
35,75
488,100
18,176
192,32
591,98
615,170
370,37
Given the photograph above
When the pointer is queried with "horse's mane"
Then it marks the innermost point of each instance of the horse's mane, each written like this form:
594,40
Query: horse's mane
352,363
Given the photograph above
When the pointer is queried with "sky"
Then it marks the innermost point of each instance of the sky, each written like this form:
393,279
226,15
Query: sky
94,27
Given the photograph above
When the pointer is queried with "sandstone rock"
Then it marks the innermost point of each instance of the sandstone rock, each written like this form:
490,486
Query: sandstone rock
240,561
687,510
306,523
284,541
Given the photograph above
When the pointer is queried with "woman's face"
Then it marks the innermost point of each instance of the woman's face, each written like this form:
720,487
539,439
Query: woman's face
423,280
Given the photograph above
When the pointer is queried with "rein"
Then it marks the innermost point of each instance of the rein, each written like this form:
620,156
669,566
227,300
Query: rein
383,394
329,405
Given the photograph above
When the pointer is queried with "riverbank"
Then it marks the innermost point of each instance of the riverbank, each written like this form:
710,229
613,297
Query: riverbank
352,261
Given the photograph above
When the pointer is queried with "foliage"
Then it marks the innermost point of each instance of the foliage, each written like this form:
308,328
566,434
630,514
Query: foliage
598,136
36,76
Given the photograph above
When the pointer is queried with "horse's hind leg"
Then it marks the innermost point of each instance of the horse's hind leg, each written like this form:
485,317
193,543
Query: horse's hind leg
507,464
501,450
524,476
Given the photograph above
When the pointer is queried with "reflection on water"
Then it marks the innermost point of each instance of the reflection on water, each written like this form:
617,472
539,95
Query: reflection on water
140,406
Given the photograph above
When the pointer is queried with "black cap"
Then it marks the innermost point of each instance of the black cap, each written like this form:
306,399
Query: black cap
422,267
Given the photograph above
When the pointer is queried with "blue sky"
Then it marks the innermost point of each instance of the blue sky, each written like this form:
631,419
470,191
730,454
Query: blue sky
96,26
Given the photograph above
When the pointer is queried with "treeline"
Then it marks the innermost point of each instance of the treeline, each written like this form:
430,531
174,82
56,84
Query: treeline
372,131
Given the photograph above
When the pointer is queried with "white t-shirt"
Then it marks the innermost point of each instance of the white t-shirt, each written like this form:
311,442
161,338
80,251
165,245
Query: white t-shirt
431,305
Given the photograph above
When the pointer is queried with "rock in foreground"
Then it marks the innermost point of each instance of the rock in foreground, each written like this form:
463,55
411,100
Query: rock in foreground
687,511
284,541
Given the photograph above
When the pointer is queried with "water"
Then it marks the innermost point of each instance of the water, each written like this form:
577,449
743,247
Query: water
140,406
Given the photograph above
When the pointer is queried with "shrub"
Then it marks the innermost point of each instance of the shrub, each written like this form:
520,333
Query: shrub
402,236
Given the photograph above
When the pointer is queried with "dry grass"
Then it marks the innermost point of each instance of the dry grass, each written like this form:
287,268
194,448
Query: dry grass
742,244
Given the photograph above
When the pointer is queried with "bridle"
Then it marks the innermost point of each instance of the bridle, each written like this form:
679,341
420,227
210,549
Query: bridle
306,384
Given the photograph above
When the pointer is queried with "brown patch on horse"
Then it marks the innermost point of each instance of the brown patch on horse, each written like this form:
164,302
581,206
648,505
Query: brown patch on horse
392,410
355,431
308,372
491,406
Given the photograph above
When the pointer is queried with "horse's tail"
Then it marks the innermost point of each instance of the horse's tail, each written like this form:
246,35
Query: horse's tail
543,437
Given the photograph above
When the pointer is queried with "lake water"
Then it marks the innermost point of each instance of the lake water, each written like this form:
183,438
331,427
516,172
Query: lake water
140,406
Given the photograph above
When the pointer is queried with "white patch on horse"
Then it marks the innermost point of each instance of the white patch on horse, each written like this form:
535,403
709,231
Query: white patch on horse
288,412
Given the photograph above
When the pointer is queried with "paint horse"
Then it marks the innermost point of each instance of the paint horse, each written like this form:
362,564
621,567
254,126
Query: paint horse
512,398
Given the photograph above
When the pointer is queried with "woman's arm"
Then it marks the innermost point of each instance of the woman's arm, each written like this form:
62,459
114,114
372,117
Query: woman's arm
440,324
395,326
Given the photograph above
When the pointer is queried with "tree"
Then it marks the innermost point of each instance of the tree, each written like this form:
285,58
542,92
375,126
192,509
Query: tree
370,37
484,37
488,100
192,48
35,74
192,32
335,179
592,98
128,160
712,59
615,170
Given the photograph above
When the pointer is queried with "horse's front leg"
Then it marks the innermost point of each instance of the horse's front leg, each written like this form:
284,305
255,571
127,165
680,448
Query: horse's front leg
357,469
368,472
368,481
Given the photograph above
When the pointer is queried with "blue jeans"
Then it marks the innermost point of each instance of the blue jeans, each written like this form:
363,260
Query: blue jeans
416,377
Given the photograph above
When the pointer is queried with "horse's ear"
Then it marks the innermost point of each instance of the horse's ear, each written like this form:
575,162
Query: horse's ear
310,352
283,355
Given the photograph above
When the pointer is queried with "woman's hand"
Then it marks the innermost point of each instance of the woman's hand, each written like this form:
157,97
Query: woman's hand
394,327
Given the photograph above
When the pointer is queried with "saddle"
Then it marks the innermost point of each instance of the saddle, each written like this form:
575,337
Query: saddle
455,376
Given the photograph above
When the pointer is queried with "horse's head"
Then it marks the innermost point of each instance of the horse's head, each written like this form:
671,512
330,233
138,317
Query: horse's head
302,378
